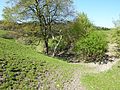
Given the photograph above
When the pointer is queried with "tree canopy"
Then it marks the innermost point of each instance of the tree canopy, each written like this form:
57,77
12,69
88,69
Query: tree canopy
45,12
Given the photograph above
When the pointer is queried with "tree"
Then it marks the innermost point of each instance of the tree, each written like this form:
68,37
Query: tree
45,12
81,26
117,23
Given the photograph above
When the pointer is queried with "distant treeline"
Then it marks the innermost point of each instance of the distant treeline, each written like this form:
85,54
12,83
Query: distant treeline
102,28
4,25
33,26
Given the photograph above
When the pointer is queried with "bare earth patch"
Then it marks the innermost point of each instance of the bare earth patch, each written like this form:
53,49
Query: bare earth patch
75,83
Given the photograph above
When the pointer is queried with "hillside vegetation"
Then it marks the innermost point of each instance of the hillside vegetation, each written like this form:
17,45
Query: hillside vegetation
23,68
92,48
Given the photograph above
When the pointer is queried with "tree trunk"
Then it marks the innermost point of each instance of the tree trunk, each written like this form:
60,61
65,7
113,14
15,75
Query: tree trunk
46,37
46,48
54,52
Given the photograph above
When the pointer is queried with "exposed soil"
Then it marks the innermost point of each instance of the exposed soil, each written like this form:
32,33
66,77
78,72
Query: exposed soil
75,83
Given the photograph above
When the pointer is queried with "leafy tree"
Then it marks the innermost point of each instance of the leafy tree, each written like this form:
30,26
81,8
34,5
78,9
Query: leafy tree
72,32
117,23
92,48
45,12
81,27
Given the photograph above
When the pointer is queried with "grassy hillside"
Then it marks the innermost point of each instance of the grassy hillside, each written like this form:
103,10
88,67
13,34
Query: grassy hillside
23,68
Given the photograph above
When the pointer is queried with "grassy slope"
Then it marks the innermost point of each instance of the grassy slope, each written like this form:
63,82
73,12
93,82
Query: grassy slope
24,68
109,80
21,67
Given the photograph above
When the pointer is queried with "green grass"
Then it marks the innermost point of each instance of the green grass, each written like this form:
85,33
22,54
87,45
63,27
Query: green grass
109,80
103,81
23,68
2,32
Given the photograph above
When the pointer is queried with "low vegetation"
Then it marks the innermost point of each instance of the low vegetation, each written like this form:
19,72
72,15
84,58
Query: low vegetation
107,80
23,68
92,48
117,36
103,81
39,38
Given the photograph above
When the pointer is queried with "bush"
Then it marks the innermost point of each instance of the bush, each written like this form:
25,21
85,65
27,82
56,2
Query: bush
11,35
117,36
92,48
81,27
25,40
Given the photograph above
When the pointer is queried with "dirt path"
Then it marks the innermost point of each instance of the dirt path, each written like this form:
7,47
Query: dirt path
75,83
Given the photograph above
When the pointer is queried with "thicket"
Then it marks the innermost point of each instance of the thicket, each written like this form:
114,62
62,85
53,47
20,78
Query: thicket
91,48
81,26
117,37
117,30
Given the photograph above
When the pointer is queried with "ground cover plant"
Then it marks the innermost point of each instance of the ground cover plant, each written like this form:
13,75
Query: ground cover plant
117,36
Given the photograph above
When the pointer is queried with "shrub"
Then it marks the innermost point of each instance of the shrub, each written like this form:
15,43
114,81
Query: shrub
25,40
11,35
81,27
92,48
117,36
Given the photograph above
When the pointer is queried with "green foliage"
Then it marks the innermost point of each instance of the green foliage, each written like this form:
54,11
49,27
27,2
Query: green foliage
45,12
101,28
92,47
2,32
81,26
117,36
23,68
18,69
11,35
109,80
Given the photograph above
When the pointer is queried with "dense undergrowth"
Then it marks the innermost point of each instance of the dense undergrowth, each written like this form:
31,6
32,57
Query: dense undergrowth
117,36
23,68
92,48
